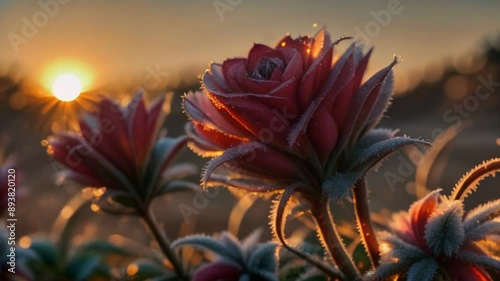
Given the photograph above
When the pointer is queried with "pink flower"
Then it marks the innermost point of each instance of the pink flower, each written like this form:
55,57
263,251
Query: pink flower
218,272
291,114
118,148
435,241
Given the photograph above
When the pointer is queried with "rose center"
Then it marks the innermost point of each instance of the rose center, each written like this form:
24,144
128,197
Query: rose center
266,67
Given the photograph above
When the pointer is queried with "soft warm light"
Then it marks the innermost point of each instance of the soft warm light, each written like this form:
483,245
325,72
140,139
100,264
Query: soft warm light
67,212
132,269
25,242
67,87
94,208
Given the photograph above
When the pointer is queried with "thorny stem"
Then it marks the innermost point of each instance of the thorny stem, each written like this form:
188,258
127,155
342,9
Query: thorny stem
360,195
332,241
164,243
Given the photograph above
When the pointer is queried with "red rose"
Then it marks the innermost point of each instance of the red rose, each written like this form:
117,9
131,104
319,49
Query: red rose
290,114
119,148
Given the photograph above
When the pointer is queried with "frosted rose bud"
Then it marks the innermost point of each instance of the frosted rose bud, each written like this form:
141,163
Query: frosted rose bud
292,115
119,148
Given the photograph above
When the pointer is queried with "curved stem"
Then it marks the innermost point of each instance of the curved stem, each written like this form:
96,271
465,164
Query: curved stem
360,195
164,243
331,239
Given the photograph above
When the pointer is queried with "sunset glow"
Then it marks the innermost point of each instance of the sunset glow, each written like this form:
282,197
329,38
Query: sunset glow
67,87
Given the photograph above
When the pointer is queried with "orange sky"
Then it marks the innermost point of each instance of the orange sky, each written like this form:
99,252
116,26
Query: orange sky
117,43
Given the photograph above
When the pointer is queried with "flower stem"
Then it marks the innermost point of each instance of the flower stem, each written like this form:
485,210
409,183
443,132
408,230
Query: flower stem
332,241
164,243
360,194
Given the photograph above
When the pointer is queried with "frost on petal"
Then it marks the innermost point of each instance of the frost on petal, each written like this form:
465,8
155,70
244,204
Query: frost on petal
115,144
201,110
420,212
363,104
323,133
444,232
382,102
137,119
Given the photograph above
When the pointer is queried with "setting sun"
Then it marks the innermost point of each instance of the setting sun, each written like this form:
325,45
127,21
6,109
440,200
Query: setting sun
67,87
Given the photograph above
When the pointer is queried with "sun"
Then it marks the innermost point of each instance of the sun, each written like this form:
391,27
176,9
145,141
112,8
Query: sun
67,87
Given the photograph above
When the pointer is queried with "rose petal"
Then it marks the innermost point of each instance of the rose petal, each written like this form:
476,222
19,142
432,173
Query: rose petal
115,144
156,118
230,69
420,212
76,154
323,133
217,138
218,74
255,56
328,94
314,78
344,99
367,95
201,109
273,163
403,229
64,147
322,41
264,121
252,85
138,119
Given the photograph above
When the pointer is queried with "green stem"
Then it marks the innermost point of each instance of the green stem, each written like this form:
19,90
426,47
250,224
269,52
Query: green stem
164,243
360,194
332,241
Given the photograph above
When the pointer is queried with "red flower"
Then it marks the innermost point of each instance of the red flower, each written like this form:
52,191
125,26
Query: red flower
118,148
435,240
291,114
235,260
218,272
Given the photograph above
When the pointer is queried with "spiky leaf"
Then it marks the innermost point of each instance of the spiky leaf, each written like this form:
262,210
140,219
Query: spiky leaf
479,260
210,244
484,230
471,180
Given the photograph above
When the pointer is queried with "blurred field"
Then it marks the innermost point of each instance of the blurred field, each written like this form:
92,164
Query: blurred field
418,113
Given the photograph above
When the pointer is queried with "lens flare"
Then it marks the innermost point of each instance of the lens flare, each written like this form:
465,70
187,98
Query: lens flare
67,87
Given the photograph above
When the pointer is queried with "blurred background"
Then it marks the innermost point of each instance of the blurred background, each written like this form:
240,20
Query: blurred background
449,75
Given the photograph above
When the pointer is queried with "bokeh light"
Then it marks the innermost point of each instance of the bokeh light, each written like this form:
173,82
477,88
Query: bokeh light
67,87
